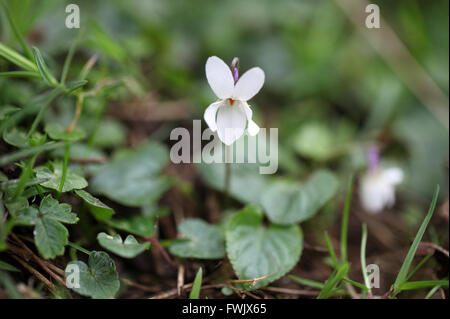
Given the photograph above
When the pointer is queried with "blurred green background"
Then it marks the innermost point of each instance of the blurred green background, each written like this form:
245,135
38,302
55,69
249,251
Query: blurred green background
327,90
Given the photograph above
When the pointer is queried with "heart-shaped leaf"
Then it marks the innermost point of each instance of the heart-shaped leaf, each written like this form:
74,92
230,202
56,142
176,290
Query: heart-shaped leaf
138,225
204,241
288,203
98,209
261,254
98,279
53,178
132,177
129,248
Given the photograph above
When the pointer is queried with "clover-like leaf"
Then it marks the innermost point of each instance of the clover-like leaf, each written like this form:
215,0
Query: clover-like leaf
203,241
53,178
57,132
50,235
132,177
138,225
98,279
51,208
287,203
128,248
97,208
259,252
27,216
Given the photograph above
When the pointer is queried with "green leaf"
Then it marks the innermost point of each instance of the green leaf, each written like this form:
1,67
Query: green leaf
288,203
132,177
246,183
19,74
27,216
403,273
137,225
307,282
329,289
19,138
51,208
8,267
43,69
256,251
423,284
98,279
100,211
15,29
129,248
72,181
50,237
204,241
314,140
49,234
16,58
197,285
110,133
57,132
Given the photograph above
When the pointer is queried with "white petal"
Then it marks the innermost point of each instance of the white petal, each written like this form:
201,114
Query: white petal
231,122
393,175
376,192
210,115
252,127
219,77
249,84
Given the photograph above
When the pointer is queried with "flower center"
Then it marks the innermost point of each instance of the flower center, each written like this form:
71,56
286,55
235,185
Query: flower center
231,102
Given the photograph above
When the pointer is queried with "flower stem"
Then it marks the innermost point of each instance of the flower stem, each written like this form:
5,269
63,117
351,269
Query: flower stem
78,110
228,159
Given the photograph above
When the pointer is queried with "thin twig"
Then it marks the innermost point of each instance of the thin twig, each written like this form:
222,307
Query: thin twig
289,291
188,287
154,241
38,260
36,273
180,279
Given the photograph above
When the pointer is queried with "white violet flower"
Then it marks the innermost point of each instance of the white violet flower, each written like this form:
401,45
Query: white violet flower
377,187
230,114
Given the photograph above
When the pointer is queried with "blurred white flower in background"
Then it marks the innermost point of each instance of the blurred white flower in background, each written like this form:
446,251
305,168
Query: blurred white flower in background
377,186
230,114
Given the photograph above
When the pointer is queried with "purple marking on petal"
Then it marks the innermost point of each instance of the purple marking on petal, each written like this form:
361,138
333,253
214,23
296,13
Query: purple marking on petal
235,75
373,158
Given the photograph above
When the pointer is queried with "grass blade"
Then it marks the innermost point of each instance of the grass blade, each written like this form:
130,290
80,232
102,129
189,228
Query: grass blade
195,291
423,284
356,284
432,292
403,273
333,281
307,282
345,216
331,251
363,257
